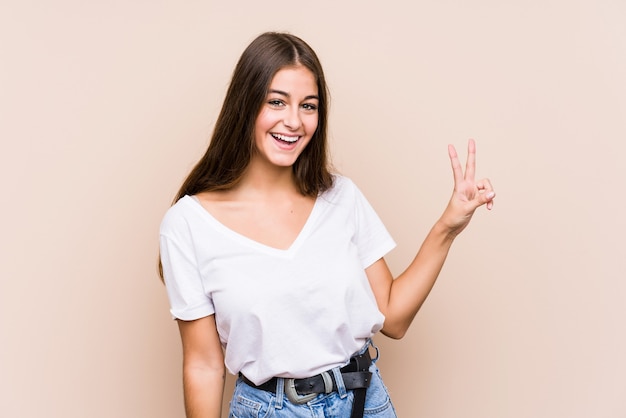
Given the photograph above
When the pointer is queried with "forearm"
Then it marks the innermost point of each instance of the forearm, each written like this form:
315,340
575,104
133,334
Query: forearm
204,389
400,299
411,288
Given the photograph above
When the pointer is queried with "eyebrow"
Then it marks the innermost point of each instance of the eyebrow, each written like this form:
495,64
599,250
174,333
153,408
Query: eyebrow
284,93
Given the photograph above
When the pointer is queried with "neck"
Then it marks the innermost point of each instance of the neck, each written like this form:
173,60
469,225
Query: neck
261,179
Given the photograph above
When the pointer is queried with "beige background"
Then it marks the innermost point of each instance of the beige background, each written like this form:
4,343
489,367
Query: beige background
105,106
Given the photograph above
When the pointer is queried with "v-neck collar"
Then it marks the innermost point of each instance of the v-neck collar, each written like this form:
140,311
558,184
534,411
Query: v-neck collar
244,240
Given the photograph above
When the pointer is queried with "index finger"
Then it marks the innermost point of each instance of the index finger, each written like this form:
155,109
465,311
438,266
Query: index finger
470,165
457,171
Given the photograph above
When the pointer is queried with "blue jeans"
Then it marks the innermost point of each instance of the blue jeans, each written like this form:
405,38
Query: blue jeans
249,402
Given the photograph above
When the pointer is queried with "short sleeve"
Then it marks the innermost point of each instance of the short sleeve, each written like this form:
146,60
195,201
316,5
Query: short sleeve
371,238
183,282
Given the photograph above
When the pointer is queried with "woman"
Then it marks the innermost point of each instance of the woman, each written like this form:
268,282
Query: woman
274,266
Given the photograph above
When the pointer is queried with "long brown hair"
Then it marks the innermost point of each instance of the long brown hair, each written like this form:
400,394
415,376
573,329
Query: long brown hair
232,143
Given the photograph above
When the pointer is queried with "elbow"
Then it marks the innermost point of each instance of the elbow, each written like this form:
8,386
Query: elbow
195,369
393,336
396,333
199,378
212,369
395,327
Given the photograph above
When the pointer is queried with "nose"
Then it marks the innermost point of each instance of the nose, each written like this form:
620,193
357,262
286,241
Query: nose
292,119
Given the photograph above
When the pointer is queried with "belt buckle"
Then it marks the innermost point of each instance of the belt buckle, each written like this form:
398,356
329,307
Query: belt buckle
294,396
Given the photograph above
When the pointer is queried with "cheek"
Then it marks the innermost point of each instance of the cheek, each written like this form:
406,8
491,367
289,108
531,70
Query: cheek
262,121
311,125
262,125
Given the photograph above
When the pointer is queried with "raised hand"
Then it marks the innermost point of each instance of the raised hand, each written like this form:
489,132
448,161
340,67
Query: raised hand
468,194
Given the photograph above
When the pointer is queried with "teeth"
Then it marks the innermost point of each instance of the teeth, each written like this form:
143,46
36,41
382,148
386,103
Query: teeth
286,138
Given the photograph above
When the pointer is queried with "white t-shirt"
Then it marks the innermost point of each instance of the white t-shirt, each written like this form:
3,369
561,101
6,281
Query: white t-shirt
286,313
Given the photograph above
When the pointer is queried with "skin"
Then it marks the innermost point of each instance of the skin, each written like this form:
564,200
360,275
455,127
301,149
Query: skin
267,207
290,111
400,299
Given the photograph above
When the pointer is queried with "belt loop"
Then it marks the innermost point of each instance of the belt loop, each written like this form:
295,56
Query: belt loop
341,386
280,392
377,352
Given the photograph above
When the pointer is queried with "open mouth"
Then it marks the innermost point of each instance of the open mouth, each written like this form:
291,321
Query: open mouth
286,139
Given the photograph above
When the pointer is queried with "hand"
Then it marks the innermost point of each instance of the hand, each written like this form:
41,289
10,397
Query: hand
468,194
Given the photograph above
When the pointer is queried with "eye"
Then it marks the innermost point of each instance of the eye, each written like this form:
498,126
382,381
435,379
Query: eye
276,103
310,107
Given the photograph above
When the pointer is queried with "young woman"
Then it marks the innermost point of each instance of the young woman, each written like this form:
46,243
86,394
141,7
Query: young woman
274,266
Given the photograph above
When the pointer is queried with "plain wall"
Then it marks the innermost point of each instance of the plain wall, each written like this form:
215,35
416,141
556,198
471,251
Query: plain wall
105,107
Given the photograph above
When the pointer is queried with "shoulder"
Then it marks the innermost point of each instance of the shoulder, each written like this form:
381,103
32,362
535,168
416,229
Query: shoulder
341,184
343,188
178,216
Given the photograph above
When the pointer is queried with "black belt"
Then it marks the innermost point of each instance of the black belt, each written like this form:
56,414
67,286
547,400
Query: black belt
356,376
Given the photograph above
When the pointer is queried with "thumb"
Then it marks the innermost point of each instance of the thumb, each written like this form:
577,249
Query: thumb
487,198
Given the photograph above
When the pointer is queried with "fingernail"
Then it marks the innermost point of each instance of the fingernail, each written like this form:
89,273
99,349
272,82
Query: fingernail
490,195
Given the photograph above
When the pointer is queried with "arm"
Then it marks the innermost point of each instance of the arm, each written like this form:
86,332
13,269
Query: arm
203,368
400,299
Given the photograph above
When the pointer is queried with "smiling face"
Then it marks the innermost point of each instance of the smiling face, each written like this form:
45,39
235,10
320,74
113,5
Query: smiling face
288,118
